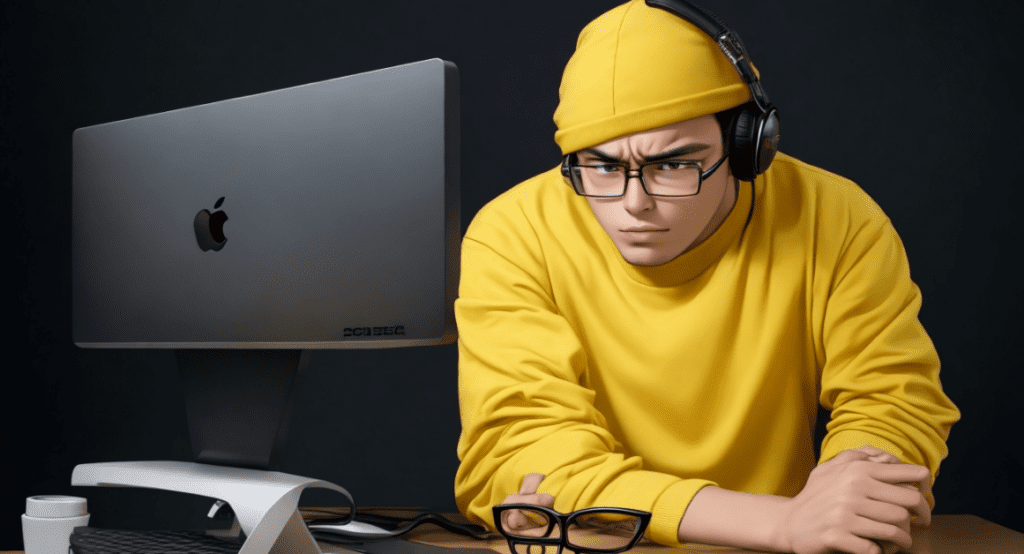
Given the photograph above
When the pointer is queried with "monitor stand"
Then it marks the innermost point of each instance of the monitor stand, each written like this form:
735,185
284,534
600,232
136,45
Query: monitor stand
238,404
265,503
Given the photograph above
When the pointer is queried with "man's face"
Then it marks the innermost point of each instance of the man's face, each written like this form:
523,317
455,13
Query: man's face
652,230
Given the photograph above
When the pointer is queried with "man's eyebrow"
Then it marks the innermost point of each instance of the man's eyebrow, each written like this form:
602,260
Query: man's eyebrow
681,151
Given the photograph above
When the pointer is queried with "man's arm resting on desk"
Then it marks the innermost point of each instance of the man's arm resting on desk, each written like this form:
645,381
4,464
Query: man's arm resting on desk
848,504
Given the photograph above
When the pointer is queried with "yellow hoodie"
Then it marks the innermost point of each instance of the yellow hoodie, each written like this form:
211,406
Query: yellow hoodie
636,386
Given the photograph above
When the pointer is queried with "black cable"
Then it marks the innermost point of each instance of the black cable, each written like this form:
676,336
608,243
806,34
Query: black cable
347,537
750,214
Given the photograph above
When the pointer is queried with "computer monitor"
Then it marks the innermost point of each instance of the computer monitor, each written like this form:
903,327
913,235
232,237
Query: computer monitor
248,232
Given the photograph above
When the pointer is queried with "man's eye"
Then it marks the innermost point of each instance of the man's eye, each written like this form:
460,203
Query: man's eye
608,168
672,166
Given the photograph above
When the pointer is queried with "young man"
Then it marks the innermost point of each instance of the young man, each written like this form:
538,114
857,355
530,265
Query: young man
652,333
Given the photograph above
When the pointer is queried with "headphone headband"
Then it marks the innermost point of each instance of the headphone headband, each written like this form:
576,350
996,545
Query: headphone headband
754,136
727,39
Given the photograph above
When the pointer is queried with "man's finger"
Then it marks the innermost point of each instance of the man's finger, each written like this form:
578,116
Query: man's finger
519,522
849,455
528,492
870,450
889,547
539,499
530,483
878,455
921,515
901,473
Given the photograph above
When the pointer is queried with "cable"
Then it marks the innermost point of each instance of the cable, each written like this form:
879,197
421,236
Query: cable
363,527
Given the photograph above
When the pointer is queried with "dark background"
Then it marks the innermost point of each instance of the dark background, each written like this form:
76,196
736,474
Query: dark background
916,101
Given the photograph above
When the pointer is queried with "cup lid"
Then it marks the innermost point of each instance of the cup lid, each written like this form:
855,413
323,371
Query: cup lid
55,506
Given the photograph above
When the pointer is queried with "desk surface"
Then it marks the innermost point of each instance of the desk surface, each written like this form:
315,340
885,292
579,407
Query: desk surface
948,534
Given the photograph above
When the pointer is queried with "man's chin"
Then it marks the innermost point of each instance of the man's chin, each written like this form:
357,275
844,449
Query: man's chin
648,255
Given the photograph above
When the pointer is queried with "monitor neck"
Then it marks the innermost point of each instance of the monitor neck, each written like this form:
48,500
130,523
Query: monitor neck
239,403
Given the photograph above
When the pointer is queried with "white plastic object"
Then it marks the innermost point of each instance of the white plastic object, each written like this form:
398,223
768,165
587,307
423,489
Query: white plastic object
355,529
265,503
48,521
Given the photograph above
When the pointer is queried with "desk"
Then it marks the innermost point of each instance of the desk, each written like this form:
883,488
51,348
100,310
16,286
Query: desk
948,534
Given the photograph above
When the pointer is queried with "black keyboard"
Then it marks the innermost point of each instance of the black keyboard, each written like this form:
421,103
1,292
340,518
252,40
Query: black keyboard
89,540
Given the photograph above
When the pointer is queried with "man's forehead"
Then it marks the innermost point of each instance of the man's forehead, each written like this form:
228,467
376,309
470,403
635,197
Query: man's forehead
680,138
703,129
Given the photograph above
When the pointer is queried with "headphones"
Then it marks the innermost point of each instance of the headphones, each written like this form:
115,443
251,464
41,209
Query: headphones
754,137
754,133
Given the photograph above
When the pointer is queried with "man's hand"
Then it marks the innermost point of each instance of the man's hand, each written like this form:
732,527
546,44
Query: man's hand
854,500
516,520
916,519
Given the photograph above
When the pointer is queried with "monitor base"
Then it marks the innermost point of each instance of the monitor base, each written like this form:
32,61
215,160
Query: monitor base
265,503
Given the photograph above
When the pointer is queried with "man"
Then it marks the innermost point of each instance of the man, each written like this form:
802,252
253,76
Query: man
648,332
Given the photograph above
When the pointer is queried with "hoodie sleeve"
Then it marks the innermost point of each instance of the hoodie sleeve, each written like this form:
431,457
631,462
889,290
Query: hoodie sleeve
523,408
880,373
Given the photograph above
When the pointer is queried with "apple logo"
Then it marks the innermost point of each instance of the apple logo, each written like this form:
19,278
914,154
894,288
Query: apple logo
210,228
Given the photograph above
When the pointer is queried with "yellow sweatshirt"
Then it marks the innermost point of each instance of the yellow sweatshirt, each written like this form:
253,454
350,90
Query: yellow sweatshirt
636,386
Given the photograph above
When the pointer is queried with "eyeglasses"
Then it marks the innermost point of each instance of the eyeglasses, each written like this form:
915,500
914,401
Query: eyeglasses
531,529
672,178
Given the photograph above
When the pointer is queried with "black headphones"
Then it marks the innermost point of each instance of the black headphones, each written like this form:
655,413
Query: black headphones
754,137
754,133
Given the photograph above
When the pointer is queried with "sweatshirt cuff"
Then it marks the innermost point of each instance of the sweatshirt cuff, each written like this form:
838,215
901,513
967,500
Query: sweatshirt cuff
852,438
669,509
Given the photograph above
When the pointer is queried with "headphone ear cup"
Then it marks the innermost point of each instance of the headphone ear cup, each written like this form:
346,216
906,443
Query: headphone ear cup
767,140
754,141
743,143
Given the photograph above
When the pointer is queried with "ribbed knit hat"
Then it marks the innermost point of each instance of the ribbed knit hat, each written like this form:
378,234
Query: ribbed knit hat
637,68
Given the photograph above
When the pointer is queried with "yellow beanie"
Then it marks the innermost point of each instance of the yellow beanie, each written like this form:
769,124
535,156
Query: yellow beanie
637,68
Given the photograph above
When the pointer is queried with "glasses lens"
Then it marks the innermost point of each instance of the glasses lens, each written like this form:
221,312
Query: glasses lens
526,523
672,179
597,531
602,180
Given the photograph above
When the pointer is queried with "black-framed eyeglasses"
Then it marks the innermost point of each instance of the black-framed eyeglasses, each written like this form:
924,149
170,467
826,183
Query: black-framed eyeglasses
670,178
531,529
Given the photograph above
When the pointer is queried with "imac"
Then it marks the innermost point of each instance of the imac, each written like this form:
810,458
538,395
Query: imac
246,233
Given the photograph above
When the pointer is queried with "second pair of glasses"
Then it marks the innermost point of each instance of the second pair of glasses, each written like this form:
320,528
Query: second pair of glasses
531,529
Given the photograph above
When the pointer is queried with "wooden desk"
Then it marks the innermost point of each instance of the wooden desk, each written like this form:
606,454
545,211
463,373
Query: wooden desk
948,534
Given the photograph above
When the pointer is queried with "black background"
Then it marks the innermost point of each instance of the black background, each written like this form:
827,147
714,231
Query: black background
916,101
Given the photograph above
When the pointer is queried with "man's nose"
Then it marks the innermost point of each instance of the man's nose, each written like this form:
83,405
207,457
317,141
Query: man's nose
636,199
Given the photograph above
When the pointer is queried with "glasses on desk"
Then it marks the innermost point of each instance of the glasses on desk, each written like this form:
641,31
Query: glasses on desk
531,529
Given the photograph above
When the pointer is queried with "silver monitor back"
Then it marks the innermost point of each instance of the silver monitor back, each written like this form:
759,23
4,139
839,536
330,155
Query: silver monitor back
342,229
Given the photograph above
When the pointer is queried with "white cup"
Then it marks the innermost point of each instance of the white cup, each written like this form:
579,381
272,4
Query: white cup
48,521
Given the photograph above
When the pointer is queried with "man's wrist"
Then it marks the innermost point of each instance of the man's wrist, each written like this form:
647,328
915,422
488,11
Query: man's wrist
738,519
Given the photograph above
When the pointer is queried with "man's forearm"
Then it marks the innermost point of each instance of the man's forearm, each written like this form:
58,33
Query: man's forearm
729,518
848,501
